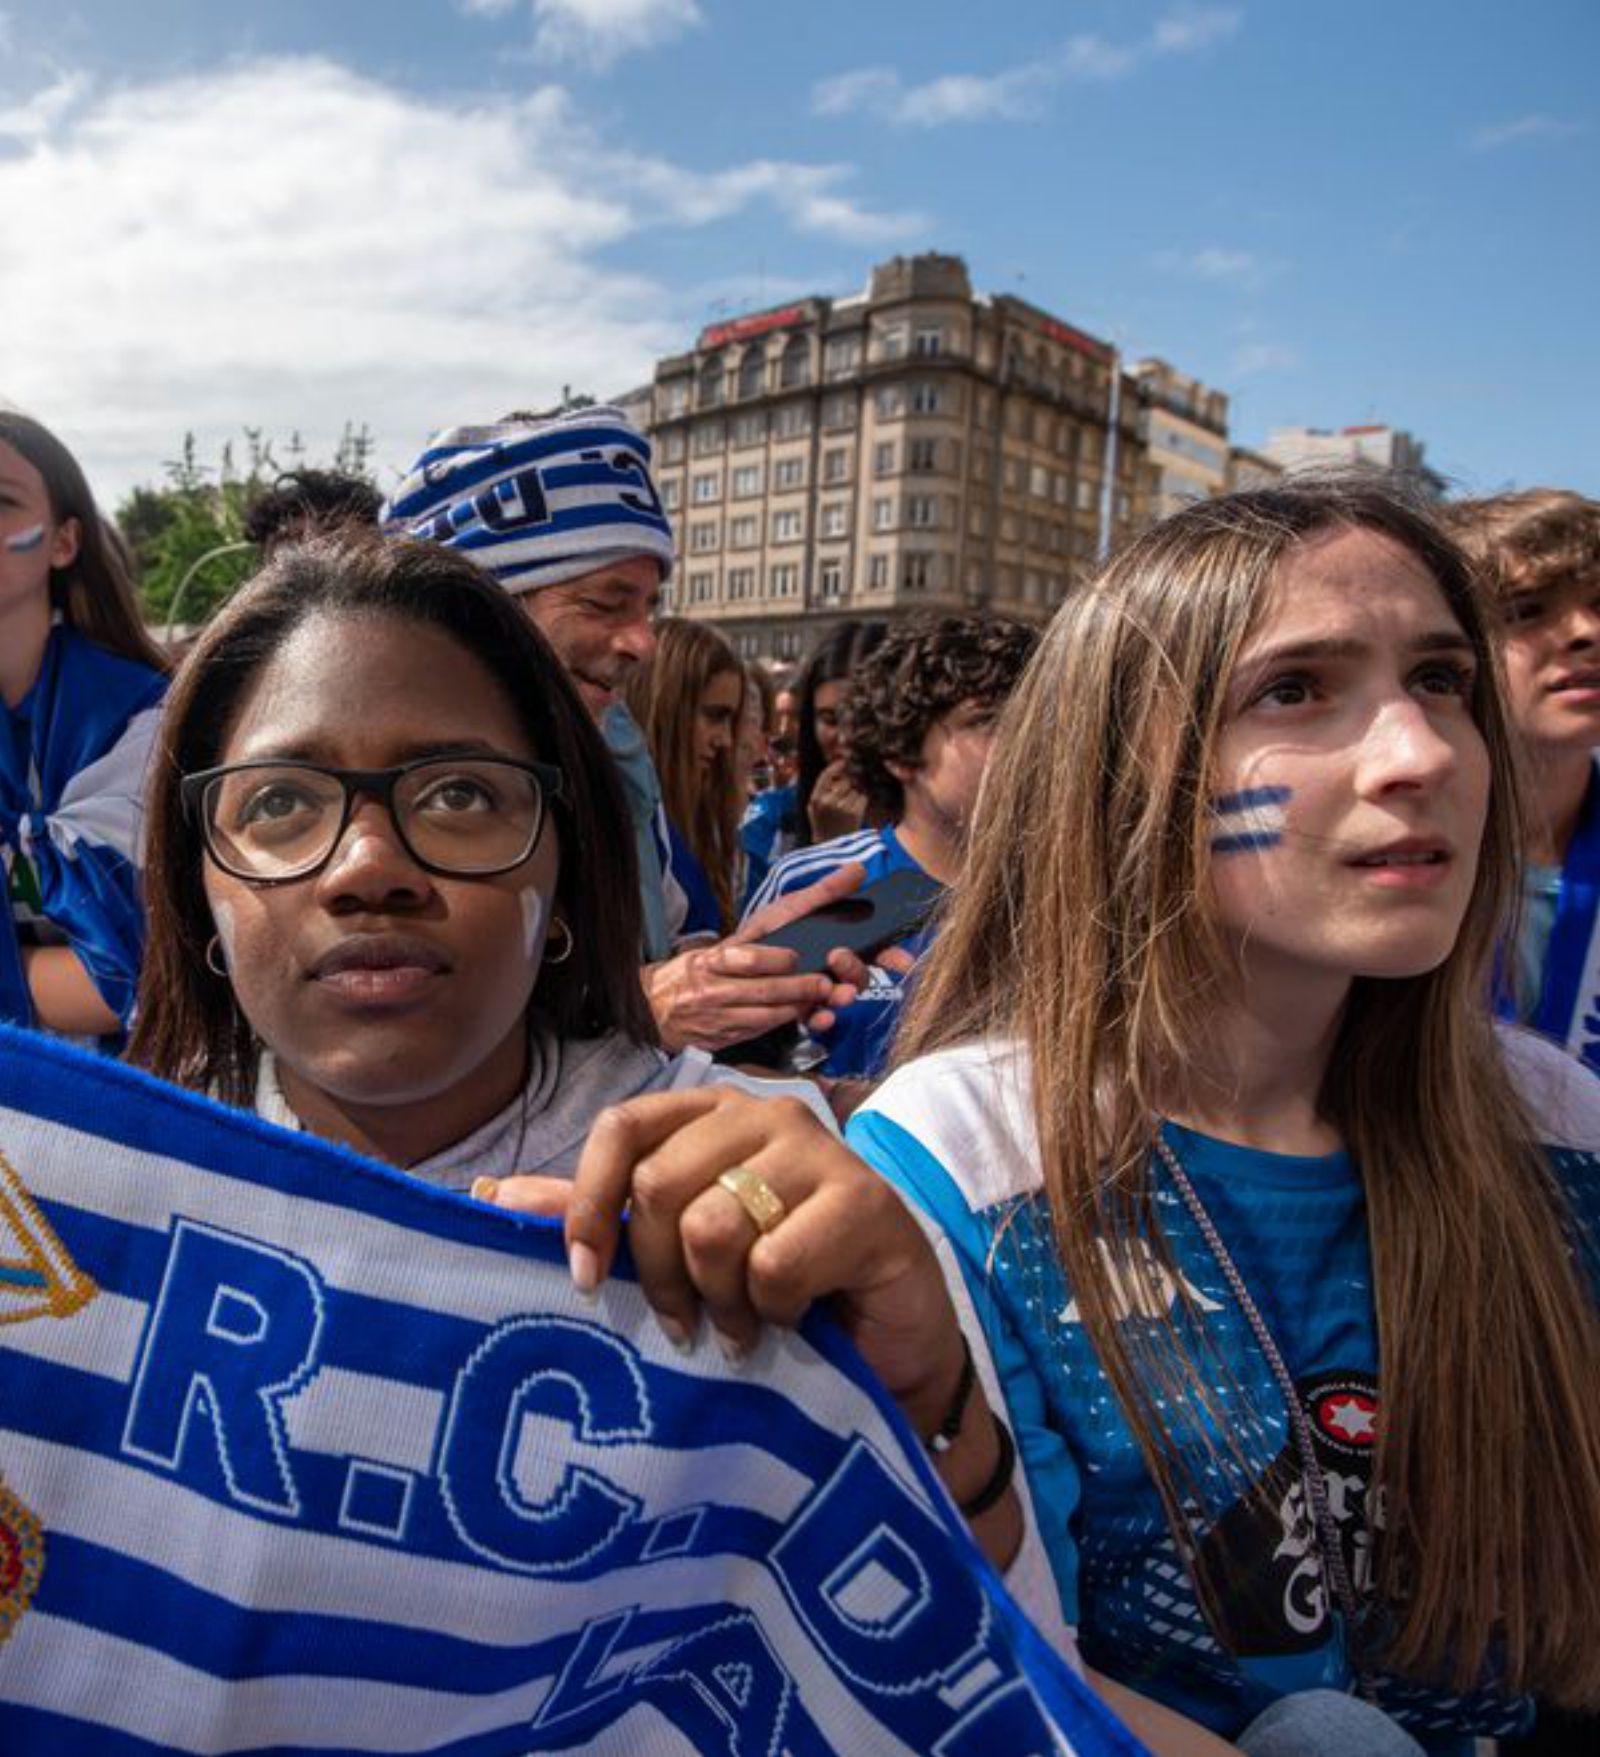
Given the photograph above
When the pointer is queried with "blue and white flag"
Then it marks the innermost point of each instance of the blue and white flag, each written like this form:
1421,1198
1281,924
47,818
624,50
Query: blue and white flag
300,1455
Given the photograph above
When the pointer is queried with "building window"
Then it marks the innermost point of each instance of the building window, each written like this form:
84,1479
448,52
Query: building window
744,532
788,473
835,463
741,582
786,526
877,572
842,357
700,587
883,458
707,438
983,409
977,518
1039,482
794,368
839,410
672,446
704,489
926,399
928,341
746,481
1012,473
916,571
791,419
922,510
883,514
1085,496
748,429
784,580
786,644
711,383
891,341
923,455
890,403
1122,506
675,399
830,580
703,536
835,518
752,370
671,493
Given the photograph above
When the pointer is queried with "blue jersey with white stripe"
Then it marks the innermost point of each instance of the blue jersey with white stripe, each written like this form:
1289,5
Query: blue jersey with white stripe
73,756
954,1132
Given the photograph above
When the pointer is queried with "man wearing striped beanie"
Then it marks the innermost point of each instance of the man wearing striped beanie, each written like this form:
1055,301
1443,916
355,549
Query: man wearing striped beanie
560,509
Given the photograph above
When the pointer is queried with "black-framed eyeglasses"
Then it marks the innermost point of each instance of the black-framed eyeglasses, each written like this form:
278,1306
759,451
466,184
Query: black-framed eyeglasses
269,821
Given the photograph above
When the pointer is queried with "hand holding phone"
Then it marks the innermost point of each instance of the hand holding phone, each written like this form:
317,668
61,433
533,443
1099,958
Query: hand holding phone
878,915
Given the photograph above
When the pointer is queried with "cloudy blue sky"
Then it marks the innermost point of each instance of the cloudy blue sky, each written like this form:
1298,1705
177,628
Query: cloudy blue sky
294,214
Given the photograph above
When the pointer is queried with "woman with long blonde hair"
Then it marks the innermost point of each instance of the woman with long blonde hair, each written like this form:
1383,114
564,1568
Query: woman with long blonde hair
688,698
1280,1242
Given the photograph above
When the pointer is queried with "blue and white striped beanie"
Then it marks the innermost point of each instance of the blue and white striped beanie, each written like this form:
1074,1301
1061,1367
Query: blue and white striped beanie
536,503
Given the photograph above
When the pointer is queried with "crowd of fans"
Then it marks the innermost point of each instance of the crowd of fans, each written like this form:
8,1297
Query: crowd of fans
1230,1100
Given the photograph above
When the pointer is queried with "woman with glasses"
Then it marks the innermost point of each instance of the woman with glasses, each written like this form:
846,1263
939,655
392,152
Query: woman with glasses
1286,1252
80,688
393,903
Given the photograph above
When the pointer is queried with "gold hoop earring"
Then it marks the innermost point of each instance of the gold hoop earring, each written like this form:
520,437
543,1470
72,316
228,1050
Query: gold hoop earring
214,960
568,942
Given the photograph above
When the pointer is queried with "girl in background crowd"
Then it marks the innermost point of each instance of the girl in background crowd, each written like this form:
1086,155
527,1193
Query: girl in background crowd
822,803
1541,554
80,684
1282,1243
687,699
752,754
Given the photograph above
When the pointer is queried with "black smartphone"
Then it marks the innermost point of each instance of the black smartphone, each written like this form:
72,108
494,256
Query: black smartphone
876,916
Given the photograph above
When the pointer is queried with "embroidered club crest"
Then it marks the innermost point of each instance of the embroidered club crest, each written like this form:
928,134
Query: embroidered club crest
38,1278
21,1560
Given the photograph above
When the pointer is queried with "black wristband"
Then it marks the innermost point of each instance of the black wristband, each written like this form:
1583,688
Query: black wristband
944,1436
999,1478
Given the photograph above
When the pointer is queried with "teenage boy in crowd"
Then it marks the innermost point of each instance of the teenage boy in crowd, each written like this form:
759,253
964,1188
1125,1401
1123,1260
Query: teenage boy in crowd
918,725
561,510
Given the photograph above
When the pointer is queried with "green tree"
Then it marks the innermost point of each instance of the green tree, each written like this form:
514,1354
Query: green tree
188,536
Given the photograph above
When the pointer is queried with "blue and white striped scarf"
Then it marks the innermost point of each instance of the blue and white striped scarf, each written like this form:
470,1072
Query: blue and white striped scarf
299,1454
537,503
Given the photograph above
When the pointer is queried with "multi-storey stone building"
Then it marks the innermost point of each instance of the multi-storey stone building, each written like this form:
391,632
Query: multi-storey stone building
911,447
1184,426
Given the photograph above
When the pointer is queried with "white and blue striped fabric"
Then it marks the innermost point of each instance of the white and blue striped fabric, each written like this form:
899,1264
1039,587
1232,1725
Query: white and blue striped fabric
300,1455
537,502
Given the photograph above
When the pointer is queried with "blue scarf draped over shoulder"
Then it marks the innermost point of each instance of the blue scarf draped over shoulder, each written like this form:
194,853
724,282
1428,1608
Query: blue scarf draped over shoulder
73,756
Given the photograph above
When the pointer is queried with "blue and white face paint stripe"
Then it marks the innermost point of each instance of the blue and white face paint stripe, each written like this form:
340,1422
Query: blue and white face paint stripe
25,542
1255,817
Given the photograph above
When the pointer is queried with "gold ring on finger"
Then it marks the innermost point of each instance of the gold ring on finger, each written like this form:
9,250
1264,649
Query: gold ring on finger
755,1195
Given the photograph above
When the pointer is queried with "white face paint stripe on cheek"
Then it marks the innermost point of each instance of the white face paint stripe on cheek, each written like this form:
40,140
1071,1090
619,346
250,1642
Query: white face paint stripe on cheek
535,918
24,542
222,915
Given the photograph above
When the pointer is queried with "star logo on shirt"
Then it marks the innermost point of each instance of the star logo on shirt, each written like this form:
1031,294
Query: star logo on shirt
1349,1417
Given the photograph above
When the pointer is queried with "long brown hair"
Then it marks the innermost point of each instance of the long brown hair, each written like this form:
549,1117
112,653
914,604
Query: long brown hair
1082,931
703,805
190,1028
95,594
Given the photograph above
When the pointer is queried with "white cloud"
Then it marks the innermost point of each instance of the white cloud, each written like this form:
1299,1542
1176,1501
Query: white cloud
39,115
1524,128
1253,358
216,274
1221,266
594,33
1187,28
1017,93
